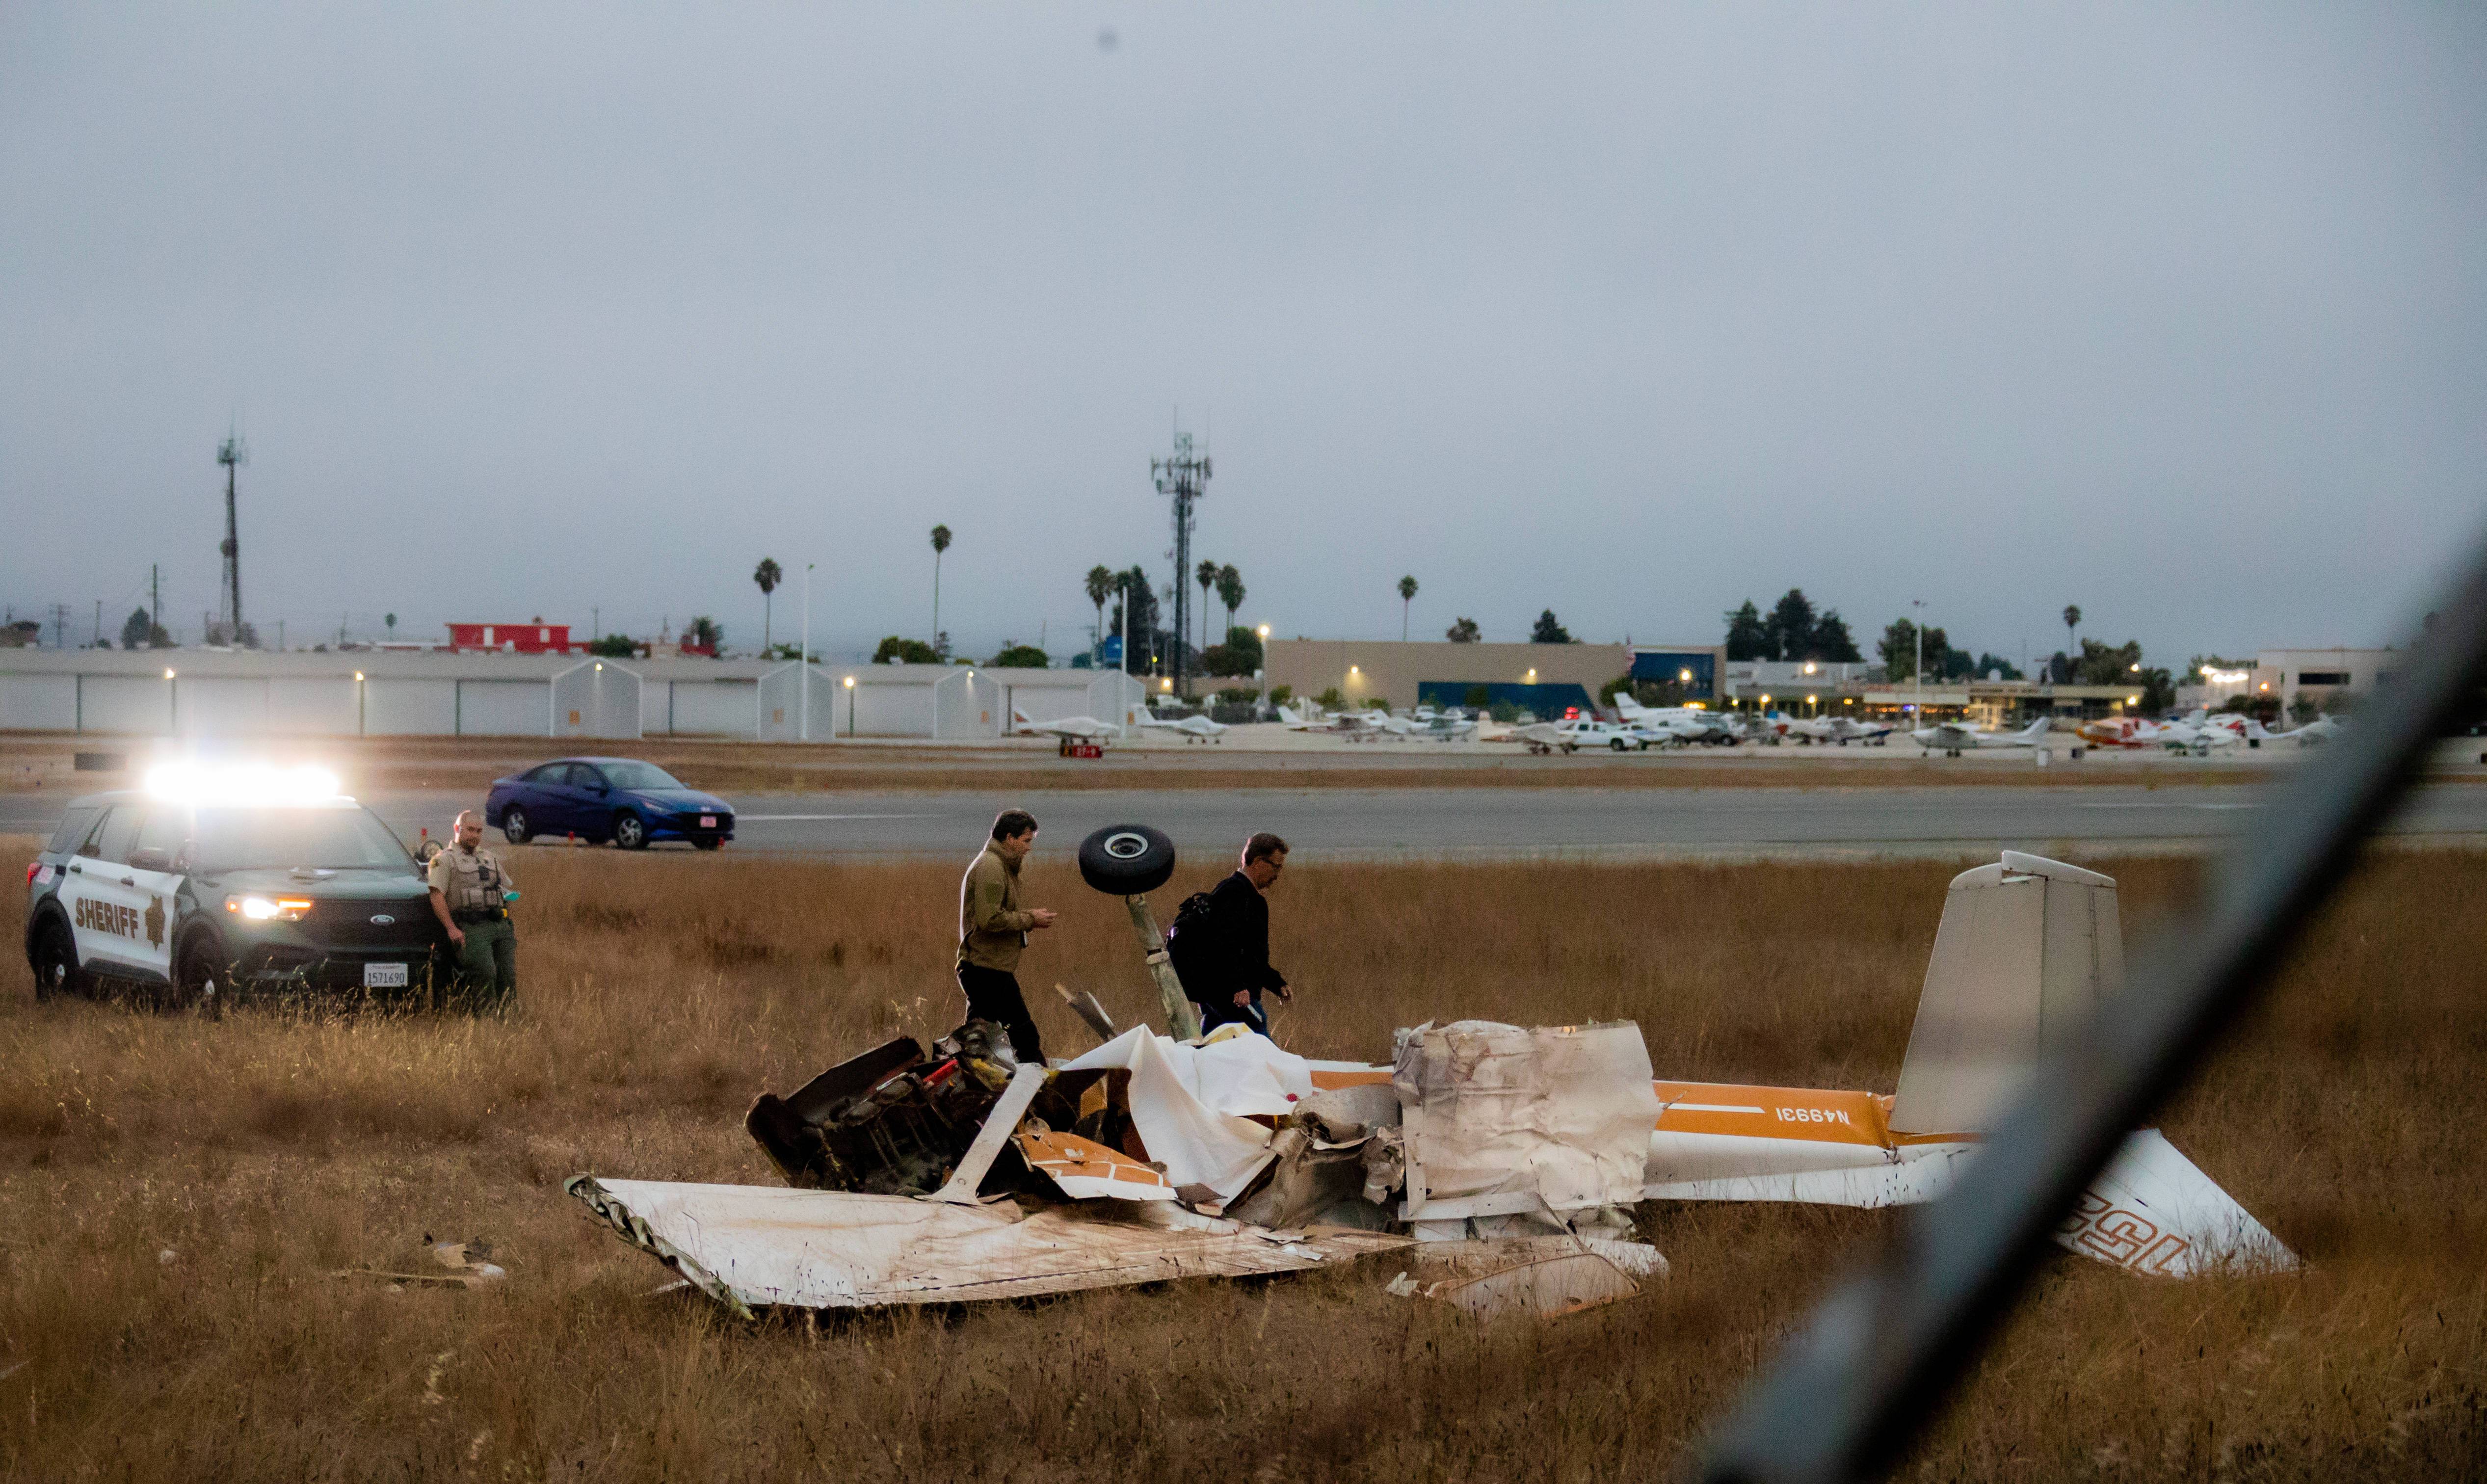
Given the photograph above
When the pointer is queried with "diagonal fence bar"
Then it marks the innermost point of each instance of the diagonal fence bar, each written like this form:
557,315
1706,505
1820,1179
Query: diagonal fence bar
1879,1354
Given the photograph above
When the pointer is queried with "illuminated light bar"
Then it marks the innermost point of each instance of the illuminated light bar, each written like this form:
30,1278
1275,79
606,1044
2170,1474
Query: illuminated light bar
262,909
241,784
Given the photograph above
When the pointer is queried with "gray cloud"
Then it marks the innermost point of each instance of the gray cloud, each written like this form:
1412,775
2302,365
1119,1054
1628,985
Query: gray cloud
2175,315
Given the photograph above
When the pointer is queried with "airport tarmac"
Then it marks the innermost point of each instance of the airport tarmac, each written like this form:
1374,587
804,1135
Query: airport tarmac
1476,823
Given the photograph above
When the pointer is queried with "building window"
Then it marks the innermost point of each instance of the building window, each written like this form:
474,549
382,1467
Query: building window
2323,677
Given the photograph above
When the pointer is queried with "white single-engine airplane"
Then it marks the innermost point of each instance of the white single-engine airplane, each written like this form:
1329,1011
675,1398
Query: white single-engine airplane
1194,727
1064,729
1951,738
1149,1158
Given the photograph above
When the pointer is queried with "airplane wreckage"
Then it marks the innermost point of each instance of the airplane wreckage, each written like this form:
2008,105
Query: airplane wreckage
1506,1158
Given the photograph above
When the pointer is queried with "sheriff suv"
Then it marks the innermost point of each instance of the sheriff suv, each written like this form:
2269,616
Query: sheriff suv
202,899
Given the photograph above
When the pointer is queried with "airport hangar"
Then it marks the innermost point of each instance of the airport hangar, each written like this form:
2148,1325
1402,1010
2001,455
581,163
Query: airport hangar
219,692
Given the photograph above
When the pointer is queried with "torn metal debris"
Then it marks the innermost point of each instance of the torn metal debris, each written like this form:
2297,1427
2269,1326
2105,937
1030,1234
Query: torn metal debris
958,1174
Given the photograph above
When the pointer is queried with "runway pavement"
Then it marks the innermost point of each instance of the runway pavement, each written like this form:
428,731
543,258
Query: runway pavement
1483,823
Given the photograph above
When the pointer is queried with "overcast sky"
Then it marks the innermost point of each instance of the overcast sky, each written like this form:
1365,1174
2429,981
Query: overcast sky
2178,314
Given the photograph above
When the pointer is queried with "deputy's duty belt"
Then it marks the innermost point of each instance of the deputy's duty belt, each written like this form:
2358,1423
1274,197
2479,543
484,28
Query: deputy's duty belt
465,914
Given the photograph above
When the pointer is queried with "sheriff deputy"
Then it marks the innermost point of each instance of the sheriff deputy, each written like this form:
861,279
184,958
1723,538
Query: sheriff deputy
468,888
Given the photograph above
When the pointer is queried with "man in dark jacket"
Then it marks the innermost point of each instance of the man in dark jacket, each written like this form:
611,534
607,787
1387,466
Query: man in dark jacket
1239,971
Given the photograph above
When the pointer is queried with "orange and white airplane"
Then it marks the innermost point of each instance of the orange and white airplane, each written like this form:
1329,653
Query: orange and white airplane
1535,1131
2027,949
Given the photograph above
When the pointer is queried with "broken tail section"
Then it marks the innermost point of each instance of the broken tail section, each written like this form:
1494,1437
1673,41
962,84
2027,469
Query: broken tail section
2027,950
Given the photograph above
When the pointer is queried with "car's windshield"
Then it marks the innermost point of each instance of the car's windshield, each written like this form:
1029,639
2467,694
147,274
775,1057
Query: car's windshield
639,776
339,839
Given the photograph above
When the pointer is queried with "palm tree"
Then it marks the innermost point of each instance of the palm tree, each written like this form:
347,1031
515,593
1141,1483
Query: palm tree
1407,595
2072,629
768,574
1099,587
940,544
1207,576
1230,591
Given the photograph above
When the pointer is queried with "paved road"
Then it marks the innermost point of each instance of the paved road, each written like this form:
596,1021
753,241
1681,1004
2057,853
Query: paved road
1488,822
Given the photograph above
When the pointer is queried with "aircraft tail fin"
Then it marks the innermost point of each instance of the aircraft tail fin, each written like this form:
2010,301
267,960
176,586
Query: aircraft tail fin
2153,1211
2027,949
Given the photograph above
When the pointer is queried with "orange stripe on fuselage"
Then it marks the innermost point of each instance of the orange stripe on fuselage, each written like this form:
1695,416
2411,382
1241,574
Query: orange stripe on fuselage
1814,1115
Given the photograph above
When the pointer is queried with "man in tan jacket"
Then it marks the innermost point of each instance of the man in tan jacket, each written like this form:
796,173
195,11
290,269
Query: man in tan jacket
992,929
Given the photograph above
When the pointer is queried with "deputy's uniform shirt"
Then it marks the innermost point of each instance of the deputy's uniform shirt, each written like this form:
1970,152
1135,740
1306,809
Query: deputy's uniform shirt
469,882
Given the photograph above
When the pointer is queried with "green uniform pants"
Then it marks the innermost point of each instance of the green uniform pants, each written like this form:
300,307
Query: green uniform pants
487,968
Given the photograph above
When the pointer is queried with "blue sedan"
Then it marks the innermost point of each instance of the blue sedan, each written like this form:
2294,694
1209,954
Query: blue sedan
621,799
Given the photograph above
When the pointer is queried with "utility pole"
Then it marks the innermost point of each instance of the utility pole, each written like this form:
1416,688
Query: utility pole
99,623
233,455
60,626
154,602
1183,479
803,676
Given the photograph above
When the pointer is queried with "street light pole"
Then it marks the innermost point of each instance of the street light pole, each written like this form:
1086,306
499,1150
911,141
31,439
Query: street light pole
803,676
1919,626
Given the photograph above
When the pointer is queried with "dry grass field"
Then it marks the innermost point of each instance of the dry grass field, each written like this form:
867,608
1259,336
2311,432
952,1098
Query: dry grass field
176,1195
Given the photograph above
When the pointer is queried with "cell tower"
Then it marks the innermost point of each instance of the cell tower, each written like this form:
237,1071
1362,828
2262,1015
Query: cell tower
232,454
1184,478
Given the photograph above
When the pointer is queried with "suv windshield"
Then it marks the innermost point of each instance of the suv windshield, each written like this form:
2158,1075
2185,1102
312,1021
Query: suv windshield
639,776
341,839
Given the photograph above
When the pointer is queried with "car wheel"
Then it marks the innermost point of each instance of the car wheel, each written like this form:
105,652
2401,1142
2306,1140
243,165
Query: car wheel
55,963
630,831
514,826
1617,744
707,844
1125,861
200,981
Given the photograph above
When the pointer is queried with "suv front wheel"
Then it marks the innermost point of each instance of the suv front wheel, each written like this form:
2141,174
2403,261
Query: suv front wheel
200,981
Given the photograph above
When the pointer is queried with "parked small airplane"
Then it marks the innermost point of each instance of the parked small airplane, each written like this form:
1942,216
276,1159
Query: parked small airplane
1866,734
1951,739
1194,727
1066,730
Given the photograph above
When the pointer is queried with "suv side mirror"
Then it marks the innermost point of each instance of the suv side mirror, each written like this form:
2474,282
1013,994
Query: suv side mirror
151,858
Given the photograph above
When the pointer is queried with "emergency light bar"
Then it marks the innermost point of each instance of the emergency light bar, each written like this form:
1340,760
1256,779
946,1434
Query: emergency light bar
241,784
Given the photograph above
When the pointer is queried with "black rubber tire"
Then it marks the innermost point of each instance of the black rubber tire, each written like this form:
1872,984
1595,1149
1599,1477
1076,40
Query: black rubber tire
424,853
707,844
200,981
1127,860
515,827
55,961
630,831
1617,744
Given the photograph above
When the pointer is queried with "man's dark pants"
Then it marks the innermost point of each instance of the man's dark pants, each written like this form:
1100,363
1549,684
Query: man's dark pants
993,995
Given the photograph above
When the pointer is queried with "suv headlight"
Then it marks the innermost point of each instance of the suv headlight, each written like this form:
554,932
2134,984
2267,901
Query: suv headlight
267,909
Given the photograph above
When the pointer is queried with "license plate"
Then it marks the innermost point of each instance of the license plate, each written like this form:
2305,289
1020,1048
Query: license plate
384,977
708,821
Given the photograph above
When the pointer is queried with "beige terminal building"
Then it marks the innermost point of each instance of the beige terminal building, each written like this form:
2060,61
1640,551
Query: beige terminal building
1540,678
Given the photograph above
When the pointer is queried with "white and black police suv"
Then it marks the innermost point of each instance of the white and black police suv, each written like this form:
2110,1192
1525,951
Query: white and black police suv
219,890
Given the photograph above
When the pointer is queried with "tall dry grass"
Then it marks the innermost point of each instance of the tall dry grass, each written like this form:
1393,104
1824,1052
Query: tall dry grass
658,994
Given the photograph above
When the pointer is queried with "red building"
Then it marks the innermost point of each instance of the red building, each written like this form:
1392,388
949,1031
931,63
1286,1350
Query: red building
532,638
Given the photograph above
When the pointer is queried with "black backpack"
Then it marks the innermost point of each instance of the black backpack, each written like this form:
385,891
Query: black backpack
1191,942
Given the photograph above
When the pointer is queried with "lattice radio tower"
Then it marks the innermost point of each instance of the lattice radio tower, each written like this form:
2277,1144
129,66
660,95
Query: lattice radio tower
1184,478
232,454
